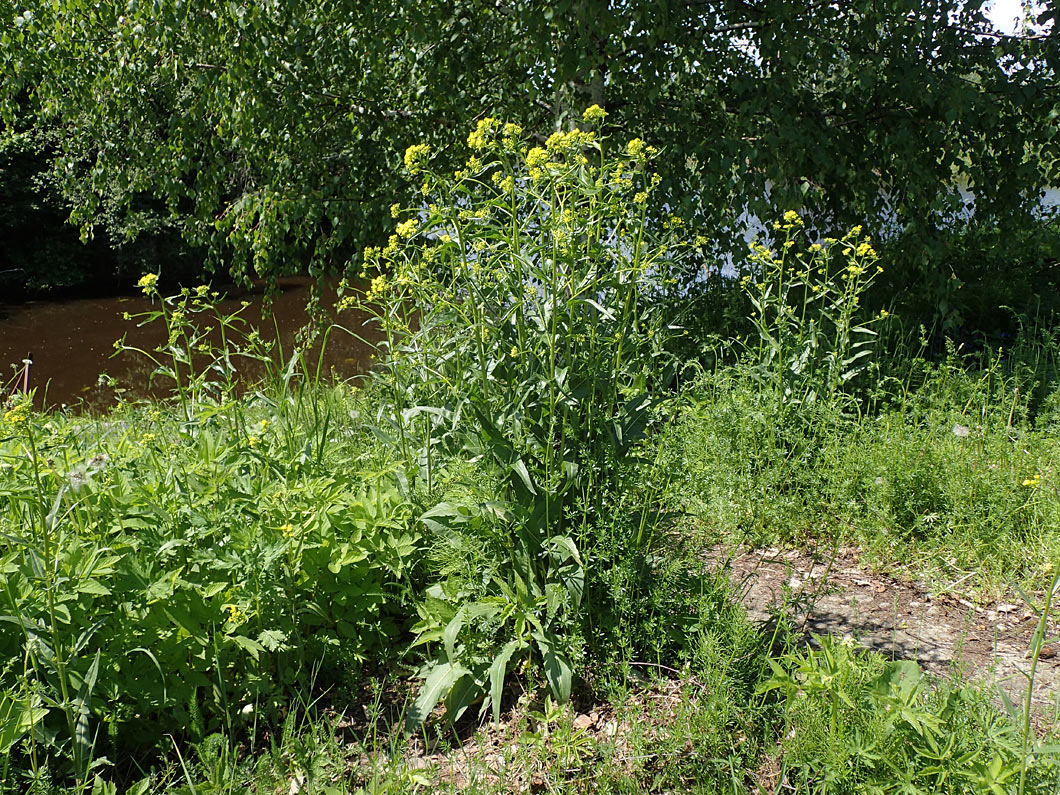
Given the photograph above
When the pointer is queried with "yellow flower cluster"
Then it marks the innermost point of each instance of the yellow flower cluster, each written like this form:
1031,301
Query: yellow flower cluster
536,161
639,150
378,288
416,157
407,228
287,530
18,413
594,114
512,134
235,614
505,183
148,282
484,133
567,142
1033,482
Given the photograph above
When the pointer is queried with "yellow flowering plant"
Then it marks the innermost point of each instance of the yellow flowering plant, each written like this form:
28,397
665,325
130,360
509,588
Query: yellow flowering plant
519,324
814,337
204,342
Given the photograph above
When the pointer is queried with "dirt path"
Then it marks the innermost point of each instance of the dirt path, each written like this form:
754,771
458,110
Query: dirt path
897,619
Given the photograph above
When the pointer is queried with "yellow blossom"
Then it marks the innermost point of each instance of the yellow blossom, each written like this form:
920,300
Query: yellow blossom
536,158
18,413
148,282
639,150
484,132
416,157
594,114
378,287
407,228
235,614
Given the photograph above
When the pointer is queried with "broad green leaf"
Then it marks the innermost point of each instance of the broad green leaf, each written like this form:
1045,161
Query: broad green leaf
439,682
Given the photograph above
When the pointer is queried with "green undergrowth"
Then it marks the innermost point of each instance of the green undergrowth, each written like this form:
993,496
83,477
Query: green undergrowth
281,583
946,483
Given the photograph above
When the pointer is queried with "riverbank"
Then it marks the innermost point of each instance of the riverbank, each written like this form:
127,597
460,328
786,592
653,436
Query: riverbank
252,568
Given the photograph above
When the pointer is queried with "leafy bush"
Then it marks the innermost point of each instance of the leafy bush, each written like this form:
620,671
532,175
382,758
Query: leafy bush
855,723
165,572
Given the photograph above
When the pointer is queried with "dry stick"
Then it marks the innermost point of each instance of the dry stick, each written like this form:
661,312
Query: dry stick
26,363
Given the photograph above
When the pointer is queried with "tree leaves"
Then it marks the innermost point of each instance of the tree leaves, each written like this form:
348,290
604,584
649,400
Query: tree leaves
270,133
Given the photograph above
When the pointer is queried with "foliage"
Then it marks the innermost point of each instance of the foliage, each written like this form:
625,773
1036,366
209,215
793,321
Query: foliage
519,327
208,566
854,723
176,572
269,130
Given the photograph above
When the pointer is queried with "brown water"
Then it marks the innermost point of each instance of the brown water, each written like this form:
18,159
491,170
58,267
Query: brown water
72,341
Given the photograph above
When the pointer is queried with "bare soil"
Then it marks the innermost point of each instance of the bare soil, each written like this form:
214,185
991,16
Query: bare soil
832,593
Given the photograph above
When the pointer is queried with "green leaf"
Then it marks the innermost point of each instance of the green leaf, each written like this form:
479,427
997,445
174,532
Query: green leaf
498,670
519,467
93,587
557,667
247,644
439,682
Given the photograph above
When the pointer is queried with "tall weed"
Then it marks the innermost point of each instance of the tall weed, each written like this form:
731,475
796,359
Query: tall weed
517,307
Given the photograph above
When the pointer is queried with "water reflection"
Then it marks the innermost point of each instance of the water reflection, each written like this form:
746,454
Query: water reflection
72,341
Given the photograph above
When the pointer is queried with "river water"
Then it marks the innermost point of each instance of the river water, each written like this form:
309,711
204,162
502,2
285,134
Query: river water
71,342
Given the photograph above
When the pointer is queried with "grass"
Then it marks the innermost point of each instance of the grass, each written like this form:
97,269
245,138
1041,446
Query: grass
484,569
708,713
925,488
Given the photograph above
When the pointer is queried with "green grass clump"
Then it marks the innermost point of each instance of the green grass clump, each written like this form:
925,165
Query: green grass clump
926,485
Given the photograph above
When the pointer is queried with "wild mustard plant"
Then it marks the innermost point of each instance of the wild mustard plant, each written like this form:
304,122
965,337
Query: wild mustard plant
203,347
814,338
516,305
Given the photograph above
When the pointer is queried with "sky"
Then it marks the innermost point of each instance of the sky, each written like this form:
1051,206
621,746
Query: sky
1005,14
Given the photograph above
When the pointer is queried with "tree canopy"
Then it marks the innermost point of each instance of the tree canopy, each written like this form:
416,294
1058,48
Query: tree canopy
271,132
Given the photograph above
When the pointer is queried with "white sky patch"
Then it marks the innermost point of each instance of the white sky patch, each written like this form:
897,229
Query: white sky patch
1005,15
